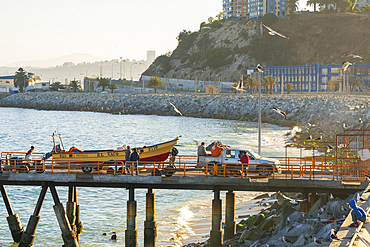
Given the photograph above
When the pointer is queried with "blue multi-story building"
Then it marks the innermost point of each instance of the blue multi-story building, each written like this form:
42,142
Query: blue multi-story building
258,8
317,77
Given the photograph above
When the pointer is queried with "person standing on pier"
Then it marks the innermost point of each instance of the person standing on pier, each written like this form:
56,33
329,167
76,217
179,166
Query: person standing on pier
135,157
128,155
357,213
173,154
245,162
202,149
29,153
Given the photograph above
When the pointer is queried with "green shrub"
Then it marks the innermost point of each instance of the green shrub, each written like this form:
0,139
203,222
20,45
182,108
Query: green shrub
269,19
217,57
196,57
184,58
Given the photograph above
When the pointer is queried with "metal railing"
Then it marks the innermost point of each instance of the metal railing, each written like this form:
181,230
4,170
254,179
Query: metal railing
186,165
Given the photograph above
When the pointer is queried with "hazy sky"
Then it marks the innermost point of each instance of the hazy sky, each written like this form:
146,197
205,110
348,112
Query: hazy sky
43,29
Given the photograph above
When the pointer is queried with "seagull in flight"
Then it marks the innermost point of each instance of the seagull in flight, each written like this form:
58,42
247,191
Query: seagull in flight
353,55
273,32
309,138
345,66
278,111
239,87
174,107
259,68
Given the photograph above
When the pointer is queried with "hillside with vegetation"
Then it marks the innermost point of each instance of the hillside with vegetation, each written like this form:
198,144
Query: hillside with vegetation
237,45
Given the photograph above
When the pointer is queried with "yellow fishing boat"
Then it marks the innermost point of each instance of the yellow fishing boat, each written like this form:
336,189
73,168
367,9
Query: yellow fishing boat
155,153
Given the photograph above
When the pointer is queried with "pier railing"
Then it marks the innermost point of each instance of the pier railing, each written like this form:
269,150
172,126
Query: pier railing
186,165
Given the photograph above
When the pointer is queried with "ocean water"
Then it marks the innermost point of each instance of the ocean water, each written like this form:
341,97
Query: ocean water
182,216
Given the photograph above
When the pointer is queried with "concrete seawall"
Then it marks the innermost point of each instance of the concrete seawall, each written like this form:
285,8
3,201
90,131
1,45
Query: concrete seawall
314,113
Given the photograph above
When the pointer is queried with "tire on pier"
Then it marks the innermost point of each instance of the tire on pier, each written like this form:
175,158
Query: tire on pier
23,169
110,170
168,171
87,169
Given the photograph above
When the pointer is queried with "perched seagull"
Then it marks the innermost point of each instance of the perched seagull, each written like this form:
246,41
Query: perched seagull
259,68
353,55
345,126
272,32
287,221
174,107
309,138
278,111
360,120
333,234
332,197
319,138
345,65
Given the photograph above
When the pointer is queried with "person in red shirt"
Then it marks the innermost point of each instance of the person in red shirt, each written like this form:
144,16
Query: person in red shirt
29,153
245,162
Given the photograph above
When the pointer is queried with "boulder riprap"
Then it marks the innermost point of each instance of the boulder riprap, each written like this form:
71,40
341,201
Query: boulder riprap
313,113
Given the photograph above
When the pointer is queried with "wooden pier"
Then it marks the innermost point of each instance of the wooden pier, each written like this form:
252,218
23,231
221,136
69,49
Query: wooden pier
310,178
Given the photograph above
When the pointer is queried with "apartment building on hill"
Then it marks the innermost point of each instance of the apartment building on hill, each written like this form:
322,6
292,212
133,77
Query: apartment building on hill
253,8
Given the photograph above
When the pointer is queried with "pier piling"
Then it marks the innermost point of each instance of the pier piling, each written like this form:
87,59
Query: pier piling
131,232
14,222
150,226
71,209
29,235
78,222
230,224
68,236
216,232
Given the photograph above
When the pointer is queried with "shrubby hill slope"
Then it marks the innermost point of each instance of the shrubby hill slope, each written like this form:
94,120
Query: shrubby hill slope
236,45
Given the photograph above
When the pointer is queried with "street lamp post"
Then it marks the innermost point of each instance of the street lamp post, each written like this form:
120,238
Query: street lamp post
142,76
260,71
131,70
120,68
165,82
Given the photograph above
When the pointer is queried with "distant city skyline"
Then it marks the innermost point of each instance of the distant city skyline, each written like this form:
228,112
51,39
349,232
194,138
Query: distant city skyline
41,30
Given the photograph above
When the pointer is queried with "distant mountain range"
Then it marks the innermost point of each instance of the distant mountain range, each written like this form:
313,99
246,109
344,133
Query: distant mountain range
52,62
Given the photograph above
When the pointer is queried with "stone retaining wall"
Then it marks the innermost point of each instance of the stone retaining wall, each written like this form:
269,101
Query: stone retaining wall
314,113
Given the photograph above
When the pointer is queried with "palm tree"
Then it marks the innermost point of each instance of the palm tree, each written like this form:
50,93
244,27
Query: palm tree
20,79
292,5
57,85
289,87
112,86
155,82
251,83
270,81
103,83
266,85
234,86
74,84
312,2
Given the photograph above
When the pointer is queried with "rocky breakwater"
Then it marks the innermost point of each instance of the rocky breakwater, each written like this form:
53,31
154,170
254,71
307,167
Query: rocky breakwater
313,113
282,223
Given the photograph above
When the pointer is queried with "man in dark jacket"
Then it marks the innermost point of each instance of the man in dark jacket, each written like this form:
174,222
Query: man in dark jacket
135,157
357,213
173,154
128,155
